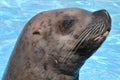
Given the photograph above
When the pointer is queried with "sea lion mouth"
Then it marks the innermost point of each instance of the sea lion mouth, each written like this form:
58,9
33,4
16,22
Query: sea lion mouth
100,37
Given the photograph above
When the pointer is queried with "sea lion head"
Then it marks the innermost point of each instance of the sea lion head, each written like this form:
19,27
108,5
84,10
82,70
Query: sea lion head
55,44
72,36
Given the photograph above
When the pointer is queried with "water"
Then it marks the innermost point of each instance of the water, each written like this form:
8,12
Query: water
103,65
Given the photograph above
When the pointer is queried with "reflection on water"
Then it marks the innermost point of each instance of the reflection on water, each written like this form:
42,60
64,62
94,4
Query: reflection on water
103,65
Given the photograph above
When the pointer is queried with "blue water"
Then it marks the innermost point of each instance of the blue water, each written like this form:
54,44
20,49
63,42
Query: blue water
103,65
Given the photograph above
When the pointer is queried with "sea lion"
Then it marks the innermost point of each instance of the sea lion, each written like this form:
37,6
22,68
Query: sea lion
55,44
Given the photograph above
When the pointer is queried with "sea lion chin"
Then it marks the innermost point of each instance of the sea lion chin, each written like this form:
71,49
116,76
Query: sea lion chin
55,44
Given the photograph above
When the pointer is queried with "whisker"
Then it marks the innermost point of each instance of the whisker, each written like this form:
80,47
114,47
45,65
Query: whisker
103,28
88,34
81,37
79,44
95,31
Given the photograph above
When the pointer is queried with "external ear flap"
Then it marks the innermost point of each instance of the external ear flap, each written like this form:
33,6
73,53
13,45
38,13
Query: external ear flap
36,33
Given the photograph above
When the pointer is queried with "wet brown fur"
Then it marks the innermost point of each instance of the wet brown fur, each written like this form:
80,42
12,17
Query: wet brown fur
54,45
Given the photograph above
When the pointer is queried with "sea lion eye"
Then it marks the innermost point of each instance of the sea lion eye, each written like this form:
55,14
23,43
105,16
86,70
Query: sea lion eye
68,22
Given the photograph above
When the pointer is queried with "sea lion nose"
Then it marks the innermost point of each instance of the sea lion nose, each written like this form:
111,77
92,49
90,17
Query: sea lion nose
106,14
102,13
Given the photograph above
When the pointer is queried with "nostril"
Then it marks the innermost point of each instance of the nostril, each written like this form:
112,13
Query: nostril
108,29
